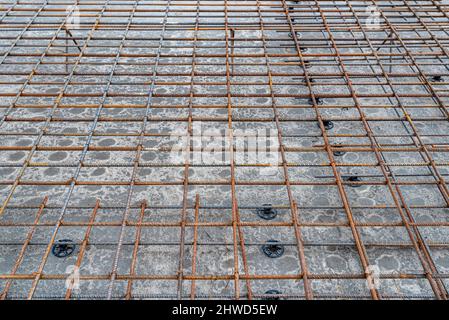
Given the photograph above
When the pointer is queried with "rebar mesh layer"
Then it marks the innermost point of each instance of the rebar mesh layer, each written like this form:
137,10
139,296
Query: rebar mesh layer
89,115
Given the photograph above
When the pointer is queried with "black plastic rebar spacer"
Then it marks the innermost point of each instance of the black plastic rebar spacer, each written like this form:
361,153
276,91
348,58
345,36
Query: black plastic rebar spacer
272,294
328,124
298,34
272,249
63,248
437,79
267,212
354,178
338,153
318,101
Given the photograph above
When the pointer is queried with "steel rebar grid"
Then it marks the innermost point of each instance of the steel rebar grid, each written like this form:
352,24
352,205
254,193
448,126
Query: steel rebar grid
89,116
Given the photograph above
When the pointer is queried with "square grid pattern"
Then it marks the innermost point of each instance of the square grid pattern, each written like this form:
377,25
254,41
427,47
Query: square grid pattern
87,121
